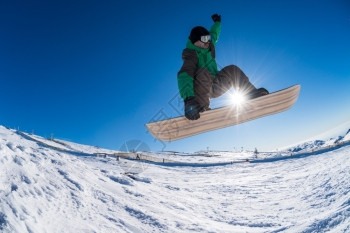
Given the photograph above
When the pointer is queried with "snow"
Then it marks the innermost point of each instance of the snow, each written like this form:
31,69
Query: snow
347,136
59,186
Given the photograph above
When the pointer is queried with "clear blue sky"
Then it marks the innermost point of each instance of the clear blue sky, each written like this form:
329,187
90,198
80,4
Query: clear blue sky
95,72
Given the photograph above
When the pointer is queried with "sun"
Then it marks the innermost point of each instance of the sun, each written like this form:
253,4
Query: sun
237,98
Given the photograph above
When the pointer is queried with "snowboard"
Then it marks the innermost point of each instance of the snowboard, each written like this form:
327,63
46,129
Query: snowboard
180,127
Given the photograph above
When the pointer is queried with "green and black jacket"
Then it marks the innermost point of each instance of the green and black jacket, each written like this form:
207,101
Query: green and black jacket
195,58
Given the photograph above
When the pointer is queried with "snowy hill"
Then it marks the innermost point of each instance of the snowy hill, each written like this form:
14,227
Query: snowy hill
317,144
59,186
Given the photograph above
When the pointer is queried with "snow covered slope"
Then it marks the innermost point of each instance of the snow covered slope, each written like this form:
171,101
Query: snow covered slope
317,144
63,187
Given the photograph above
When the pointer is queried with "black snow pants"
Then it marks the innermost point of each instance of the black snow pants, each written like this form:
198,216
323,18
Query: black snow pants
206,86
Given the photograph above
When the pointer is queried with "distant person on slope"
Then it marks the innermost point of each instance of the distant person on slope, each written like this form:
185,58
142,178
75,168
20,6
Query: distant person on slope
199,79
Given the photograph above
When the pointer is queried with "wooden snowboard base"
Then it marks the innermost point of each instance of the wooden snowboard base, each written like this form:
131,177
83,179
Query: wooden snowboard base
180,127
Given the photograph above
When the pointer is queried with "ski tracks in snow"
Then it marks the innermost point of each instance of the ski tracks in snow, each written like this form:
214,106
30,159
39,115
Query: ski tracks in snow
46,190
41,188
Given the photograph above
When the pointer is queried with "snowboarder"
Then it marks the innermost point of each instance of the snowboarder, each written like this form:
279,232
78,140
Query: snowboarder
199,79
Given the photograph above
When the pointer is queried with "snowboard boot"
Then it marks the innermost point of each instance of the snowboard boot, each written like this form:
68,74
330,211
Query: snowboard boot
257,93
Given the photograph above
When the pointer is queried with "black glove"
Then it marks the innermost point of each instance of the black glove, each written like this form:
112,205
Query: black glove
216,18
192,108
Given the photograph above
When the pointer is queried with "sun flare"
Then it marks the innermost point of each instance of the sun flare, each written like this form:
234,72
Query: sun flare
237,98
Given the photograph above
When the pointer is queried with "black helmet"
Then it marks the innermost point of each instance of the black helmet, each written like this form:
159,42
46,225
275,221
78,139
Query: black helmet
197,32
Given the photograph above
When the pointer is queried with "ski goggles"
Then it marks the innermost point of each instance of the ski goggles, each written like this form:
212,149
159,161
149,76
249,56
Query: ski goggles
206,39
